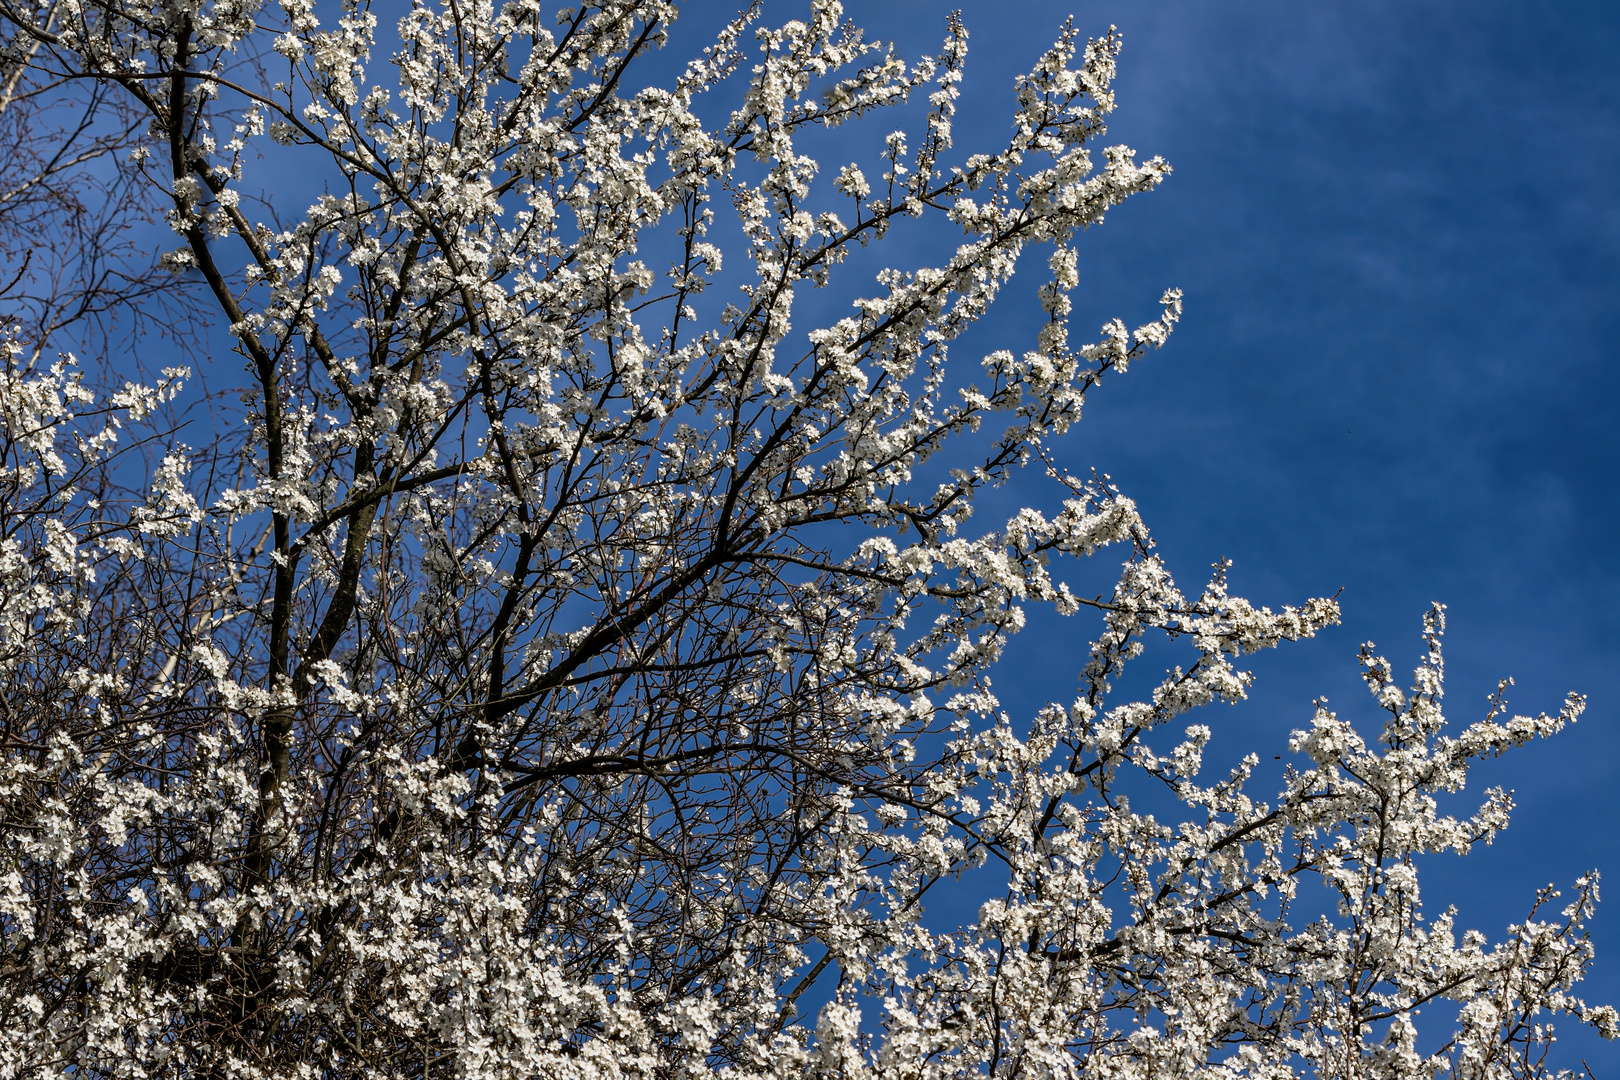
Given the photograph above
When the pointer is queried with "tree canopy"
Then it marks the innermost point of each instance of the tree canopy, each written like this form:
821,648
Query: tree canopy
567,653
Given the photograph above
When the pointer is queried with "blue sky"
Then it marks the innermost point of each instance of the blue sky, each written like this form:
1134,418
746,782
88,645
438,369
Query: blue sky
1398,229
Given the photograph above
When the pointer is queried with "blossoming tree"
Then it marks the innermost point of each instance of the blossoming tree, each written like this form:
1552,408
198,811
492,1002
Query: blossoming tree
550,668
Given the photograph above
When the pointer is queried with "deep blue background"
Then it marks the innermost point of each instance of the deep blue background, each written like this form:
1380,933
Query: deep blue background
1397,227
